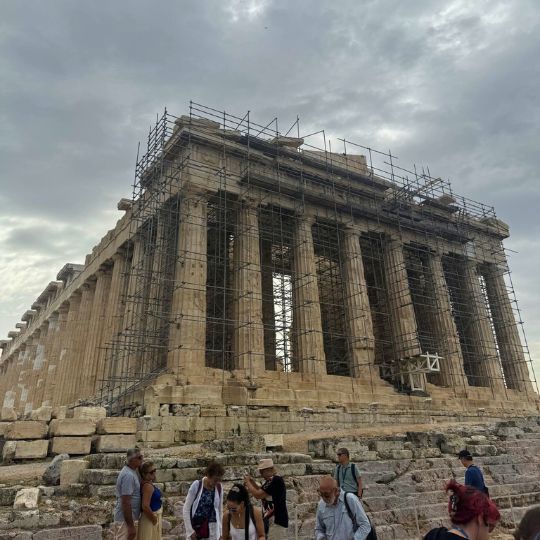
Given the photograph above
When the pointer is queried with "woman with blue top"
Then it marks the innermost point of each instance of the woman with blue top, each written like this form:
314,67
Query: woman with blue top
151,505
203,509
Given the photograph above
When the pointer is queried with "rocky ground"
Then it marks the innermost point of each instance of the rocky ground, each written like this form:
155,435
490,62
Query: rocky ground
404,470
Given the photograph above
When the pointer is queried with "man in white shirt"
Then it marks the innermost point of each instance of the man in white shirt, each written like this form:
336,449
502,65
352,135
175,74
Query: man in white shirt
334,520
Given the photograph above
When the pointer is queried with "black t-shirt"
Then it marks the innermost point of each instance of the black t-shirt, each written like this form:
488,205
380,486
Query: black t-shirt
275,504
442,533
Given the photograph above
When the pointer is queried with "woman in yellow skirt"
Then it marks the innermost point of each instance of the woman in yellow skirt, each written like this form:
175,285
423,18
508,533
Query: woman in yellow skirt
151,506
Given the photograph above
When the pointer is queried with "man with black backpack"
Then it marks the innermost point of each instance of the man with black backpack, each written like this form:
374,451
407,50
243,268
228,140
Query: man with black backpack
347,474
340,515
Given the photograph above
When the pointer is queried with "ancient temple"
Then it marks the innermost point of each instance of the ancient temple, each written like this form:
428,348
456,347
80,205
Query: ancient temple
256,271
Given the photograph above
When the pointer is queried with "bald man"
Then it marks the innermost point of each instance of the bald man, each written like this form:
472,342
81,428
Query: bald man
336,522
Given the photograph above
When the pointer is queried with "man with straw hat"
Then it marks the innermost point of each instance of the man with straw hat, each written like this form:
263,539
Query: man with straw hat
273,496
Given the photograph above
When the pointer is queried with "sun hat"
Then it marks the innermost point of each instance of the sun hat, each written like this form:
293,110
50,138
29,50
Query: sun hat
265,464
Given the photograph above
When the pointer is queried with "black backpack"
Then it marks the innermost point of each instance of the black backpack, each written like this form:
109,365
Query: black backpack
372,534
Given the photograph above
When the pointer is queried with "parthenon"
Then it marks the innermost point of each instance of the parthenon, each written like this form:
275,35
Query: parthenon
253,268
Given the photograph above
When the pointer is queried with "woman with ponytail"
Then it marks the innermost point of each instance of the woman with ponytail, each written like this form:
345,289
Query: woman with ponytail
241,521
472,513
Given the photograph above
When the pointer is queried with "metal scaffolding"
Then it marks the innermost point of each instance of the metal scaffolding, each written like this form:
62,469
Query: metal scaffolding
289,174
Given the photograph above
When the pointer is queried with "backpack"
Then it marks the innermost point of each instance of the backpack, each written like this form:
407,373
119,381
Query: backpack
372,535
353,471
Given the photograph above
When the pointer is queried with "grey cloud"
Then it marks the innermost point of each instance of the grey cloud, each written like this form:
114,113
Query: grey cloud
455,82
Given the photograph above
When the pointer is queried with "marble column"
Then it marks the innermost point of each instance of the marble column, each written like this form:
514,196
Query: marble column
187,335
94,343
113,317
30,378
486,368
268,308
402,318
403,326
40,366
20,355
307,324
510,347
248,333
358,313
57,328
444,328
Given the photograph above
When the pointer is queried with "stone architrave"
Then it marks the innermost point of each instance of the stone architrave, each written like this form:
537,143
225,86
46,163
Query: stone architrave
248,335
486,369
187,336
452,372
95,332
510,347
307,323
358,313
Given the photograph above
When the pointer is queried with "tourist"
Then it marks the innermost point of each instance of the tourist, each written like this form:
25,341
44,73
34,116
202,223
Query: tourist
347,474
529,526
203,508
340,515
472,513
473,475
273,496
241,521
150,521
128,498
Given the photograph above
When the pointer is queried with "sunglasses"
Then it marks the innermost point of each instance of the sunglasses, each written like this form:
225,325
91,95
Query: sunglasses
325,493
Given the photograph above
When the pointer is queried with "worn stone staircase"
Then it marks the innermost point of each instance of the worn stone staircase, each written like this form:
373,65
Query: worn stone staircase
403,476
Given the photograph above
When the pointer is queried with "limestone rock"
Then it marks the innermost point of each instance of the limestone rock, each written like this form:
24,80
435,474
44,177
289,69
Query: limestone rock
32,449
74,446
117,425
7,495
114,443
90,413
51,476
26,429
8,452
273,441
27,499
86,532
8,414
42,414
242,443
71,427
70,471
3,428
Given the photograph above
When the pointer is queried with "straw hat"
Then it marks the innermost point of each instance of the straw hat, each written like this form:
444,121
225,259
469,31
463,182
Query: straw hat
265,464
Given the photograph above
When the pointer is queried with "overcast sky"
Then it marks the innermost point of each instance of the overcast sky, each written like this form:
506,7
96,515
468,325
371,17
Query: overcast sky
452,85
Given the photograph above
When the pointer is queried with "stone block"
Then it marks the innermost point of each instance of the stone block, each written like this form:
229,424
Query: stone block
166,437
60,412
273,440
7,495
27,499
70,471
32,449
51,476
43,414
118,425
3,428
100,477
114,443
74,446
8,451
149,423
8,414
26,429
85,532
71,427
90,413
177,423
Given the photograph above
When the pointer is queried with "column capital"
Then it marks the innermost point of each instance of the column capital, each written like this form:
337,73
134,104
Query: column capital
302,216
